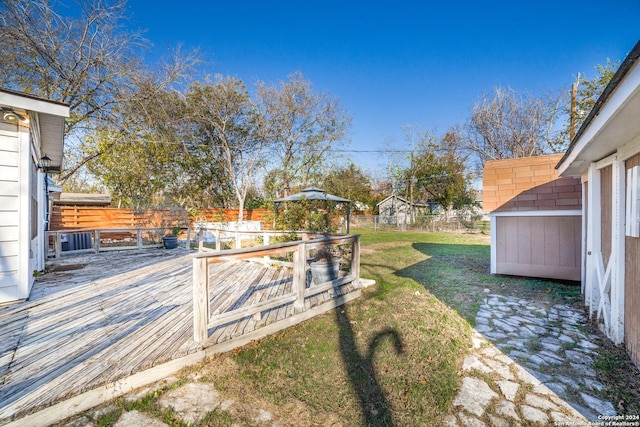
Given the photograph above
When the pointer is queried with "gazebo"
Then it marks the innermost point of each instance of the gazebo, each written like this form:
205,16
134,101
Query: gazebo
315,193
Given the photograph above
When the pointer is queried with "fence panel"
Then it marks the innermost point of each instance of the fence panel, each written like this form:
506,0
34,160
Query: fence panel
88,217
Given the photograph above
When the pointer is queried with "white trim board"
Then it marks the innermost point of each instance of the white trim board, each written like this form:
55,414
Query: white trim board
572,212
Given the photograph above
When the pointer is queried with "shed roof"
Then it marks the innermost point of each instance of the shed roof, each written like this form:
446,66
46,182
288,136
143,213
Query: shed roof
403,200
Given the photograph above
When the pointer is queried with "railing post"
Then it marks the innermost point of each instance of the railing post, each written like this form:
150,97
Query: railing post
96,241
188,244
218,244
200,299
201,240
299,276
139,238
265,242
238,241
355,258
58,244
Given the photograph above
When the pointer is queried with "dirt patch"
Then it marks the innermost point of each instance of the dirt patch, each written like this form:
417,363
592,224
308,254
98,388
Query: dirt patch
617,371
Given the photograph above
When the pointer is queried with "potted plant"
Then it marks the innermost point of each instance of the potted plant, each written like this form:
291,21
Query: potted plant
325,266
170,241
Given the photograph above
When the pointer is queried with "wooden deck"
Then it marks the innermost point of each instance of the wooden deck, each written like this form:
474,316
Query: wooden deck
105,324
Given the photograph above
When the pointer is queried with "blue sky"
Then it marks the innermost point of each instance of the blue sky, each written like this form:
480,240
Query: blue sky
397,63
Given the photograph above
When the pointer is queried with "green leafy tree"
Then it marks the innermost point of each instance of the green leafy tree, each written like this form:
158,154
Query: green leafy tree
577,103
149,159
436,172
309,215
132,172
351,183
590,90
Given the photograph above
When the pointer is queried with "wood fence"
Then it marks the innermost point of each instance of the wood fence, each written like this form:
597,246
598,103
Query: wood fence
86,217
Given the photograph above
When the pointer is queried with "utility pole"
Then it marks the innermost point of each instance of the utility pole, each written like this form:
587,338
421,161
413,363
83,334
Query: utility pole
574,108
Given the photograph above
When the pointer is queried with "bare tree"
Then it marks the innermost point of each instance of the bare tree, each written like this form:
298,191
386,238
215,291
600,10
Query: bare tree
226,130
506,125
90,61
302,126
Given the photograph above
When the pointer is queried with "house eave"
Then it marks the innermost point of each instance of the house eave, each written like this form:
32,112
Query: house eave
46,116
25,101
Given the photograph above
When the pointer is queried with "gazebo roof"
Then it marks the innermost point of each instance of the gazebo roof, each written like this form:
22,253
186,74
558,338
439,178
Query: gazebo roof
312,193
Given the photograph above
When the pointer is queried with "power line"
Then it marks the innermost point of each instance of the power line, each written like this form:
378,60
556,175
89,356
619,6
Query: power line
371,151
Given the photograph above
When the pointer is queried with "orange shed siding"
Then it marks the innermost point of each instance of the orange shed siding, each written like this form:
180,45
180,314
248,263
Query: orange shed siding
528,184
533,236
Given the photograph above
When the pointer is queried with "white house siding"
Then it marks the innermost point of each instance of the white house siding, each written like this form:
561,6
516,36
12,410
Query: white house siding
9,211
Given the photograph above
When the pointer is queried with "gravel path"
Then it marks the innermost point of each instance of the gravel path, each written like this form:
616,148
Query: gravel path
531,364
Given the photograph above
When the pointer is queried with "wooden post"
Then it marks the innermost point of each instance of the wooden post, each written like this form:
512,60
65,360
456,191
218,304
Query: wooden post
265,242
58,244
139,238
200,299
299,276
355,258
218,240
618,252
188,244
96,241
238,241
200,240
594,239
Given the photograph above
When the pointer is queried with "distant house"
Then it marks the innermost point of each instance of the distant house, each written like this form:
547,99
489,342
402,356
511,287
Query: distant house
535,218
605,156
397,210
31,129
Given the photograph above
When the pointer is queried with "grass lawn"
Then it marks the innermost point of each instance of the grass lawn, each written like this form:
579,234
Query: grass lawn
389,358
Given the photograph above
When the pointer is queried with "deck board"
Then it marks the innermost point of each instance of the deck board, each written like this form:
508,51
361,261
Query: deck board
119,316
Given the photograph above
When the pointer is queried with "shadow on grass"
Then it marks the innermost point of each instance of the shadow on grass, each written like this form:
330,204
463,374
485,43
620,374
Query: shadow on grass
459,275
374,406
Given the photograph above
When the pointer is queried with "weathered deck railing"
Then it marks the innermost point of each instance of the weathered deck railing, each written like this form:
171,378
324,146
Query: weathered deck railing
202,320
237,236
54,239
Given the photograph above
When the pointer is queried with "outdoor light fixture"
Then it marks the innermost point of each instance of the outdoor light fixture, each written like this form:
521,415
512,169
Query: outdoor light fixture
45,163
12,116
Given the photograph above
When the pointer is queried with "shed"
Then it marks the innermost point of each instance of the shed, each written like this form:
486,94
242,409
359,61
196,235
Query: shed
398,210
31,129
605,155
535,218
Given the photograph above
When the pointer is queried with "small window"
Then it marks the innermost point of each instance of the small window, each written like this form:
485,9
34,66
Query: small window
633,202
